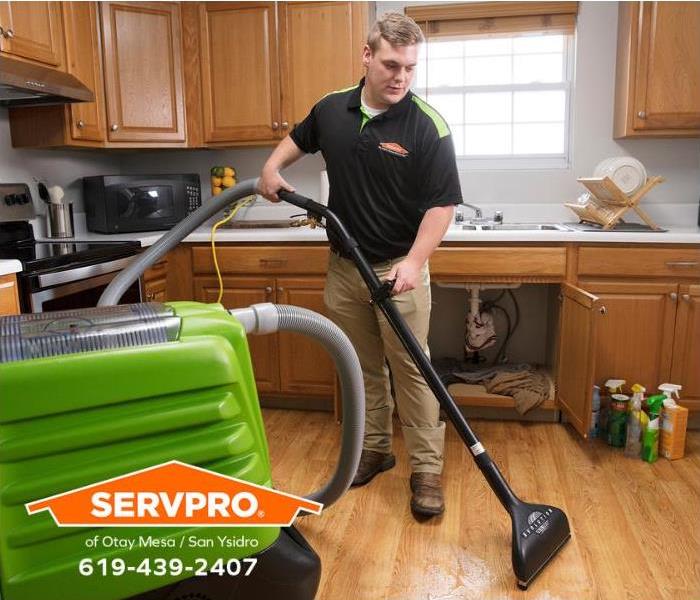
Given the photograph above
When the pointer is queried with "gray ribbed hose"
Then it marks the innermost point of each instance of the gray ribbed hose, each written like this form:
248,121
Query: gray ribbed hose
268,318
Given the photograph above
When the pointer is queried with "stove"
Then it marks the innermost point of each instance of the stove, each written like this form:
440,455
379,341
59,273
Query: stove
59,274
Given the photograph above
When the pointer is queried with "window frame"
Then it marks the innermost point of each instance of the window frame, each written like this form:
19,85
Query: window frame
509,162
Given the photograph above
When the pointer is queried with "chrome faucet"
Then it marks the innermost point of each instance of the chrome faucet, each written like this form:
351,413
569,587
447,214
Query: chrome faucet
459,217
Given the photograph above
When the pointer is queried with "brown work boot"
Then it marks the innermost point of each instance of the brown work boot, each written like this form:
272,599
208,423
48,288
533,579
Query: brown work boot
427,499
372,463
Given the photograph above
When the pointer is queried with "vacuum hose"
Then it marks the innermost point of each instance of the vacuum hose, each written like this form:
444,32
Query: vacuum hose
115,290
268,318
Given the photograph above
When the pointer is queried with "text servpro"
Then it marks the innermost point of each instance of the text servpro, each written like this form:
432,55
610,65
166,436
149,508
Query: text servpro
163,504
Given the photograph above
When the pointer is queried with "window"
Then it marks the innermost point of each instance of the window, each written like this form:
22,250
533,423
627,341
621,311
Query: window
506,95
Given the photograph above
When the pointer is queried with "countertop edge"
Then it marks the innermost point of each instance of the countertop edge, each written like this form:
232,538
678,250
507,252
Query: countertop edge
10,266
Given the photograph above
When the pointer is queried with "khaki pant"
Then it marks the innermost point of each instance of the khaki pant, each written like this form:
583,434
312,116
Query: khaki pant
347,299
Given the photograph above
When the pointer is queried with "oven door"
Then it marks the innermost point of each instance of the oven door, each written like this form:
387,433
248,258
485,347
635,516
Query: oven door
79,294
74,288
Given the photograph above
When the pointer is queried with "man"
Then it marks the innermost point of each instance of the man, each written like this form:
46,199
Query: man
393,183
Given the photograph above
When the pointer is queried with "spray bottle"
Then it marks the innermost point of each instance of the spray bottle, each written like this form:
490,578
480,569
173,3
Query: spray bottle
614,386
674,421
633,445
650,436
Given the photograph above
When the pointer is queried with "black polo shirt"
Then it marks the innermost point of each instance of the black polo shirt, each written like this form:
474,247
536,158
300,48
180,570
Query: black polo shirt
384,172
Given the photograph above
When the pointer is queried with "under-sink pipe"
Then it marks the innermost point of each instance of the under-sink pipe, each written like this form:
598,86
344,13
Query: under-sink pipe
475,288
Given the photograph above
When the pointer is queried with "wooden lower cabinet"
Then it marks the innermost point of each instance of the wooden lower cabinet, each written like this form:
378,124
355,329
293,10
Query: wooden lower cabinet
9,299
155,282
241,292
635,337
685,369
284,363
305,367
578,328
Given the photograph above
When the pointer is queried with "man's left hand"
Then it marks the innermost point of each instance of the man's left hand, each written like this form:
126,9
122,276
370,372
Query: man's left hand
407,275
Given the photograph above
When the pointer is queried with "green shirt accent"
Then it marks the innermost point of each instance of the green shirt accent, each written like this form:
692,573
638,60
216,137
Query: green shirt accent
442,128
365,117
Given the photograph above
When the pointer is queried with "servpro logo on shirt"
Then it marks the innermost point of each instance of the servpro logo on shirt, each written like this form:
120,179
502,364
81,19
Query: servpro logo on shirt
393,148
173,494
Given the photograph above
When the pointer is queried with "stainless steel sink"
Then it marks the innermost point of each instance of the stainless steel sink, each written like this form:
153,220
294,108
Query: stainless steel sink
516,227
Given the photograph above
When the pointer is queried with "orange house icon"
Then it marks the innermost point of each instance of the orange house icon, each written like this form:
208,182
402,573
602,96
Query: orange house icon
173,494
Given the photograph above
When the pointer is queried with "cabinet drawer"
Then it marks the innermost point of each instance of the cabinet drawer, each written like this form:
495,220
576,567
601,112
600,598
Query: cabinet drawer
639,262
261,259
157,271
499,262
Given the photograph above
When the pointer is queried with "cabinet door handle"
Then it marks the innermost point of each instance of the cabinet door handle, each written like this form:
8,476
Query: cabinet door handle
686,297
114,127
642,115
8,34
603,311
280,289
8,284
268,289
673,296
275,125
81,124
682,263
273,262
285,125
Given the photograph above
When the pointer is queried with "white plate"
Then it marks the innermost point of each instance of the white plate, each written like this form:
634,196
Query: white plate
626,171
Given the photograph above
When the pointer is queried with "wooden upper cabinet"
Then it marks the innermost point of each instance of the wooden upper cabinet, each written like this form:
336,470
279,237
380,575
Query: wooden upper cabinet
658,70
265,64
83,59
32,31
322,48
143,72
240,71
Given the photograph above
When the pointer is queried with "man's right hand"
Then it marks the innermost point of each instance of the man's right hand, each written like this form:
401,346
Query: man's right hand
270,183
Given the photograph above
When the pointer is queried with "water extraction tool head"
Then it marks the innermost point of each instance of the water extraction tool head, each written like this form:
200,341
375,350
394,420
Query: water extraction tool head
539,532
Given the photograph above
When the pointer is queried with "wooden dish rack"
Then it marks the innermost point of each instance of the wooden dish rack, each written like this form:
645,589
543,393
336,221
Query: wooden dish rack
608,202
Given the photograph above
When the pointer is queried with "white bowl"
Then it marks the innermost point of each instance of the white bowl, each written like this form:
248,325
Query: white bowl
626,171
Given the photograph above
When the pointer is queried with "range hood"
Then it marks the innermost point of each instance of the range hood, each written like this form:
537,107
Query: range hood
26,84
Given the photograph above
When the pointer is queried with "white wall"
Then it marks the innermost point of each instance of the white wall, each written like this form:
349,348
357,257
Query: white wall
56,167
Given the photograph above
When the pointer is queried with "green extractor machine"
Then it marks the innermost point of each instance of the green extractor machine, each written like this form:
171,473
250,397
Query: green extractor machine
92,394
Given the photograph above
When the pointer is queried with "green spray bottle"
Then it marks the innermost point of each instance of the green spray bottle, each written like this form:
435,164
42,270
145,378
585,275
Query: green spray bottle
650,437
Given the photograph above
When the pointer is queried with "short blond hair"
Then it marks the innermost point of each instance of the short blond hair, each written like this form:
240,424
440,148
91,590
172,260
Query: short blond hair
395,28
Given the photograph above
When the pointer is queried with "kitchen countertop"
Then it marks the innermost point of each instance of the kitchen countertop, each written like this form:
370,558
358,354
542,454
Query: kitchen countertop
10,266
674,235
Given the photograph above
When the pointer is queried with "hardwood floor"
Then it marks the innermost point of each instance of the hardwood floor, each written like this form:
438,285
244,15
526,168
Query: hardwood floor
635,526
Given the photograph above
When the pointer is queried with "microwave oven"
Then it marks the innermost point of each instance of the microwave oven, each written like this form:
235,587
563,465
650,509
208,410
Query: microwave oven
132,203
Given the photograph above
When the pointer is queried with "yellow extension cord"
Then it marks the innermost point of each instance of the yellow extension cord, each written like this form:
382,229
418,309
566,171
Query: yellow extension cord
236,207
